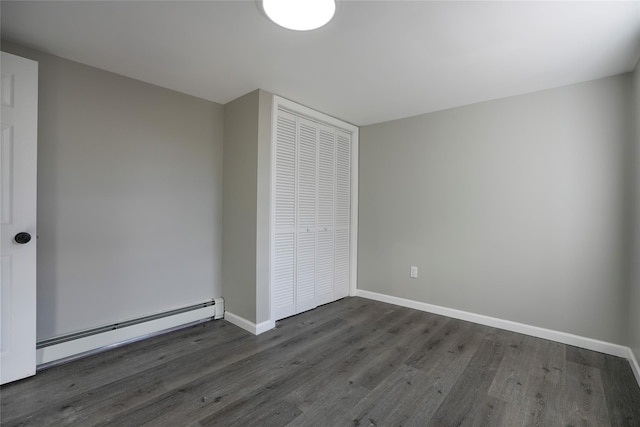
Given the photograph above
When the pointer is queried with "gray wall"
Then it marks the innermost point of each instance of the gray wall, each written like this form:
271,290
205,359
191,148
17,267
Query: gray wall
246,206
239,205
129,197
514,208
634,301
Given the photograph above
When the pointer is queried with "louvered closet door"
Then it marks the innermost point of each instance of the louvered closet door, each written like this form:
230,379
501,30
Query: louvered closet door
306,215
342,214
312,213
283,299
325,215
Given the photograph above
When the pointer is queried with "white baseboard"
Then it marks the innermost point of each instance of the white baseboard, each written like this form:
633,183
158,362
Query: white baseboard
635,367
70,349
247,325
535,331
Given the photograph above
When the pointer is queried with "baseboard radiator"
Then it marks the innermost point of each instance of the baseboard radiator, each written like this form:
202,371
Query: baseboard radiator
69,347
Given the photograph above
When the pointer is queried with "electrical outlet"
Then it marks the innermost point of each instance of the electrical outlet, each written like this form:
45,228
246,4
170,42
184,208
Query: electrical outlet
414,272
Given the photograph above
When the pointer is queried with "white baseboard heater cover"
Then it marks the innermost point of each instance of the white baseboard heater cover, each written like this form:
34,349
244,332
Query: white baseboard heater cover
65,348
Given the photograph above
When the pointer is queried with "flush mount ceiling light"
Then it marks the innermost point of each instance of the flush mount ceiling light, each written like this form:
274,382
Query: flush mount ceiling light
300,15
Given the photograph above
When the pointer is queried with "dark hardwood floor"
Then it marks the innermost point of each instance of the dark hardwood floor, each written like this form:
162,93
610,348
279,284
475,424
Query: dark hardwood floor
354,362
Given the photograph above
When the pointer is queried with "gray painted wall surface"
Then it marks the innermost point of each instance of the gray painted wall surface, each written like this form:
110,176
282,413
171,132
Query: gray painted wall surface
634,301
246,206
239,205
129,197
513,208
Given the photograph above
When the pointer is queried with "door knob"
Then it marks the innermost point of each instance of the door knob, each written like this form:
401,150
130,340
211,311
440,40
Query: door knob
22,238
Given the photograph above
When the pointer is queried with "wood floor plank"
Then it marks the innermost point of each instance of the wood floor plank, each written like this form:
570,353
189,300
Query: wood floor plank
585,357
539,401
430,386
470,392
447,371
512,378
275,414
489,413
544,392
620,388
621,391
352,362
439,344
414,333
340,391
403,389
549,364
584,401
325,400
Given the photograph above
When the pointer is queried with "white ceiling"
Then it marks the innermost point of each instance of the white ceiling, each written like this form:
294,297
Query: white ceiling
376,61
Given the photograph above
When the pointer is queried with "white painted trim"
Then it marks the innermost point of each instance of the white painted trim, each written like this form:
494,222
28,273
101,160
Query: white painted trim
535,331
265,326
272,208
311,114
78,346
635,367
249,326
264,222
355,147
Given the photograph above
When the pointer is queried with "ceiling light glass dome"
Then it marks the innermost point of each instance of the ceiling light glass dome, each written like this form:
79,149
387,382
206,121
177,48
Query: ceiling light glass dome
300,15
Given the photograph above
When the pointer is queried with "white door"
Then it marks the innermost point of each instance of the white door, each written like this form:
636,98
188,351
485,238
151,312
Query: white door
19,99
342,269
306,216
325,215
283,274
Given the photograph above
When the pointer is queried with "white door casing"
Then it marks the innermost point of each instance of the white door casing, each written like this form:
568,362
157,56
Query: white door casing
18,162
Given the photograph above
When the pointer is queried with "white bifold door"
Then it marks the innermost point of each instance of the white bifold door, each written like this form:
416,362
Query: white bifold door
18,153
311,224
